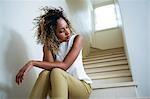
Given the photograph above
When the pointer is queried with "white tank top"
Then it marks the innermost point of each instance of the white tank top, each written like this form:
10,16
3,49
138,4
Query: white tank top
76,69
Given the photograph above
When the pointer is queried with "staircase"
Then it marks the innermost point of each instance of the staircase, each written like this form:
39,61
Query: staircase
110,73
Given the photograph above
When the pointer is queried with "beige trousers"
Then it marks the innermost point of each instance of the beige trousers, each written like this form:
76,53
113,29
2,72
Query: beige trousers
60,85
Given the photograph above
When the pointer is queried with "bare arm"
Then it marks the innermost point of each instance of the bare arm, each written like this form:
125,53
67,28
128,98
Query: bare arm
47,55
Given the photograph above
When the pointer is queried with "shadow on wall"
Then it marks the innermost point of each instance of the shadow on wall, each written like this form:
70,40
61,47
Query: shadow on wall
15,57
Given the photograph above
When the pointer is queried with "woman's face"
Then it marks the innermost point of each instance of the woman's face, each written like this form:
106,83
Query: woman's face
62,30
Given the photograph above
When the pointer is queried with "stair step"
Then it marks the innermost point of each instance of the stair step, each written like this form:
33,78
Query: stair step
106,69
123,90
106,51
103,57
111,74
111,80
105,60
93,50
112,63
114,85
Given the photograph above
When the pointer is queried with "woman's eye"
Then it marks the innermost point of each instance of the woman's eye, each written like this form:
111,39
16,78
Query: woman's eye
61,31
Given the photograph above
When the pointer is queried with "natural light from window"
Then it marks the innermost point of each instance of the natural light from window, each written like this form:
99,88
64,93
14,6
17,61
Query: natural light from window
105,17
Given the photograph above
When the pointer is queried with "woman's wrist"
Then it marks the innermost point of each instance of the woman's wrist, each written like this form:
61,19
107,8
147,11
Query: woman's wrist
34,62
31,62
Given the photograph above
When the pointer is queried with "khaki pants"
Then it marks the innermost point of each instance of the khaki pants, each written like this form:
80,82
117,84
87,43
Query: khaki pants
60,85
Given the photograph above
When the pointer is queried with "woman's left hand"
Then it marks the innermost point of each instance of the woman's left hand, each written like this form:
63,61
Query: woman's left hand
23,71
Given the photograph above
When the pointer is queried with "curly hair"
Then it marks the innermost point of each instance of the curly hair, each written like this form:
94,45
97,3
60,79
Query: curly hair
46,27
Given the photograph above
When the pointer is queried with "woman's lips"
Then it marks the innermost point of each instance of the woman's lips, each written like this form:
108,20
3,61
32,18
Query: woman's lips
67,38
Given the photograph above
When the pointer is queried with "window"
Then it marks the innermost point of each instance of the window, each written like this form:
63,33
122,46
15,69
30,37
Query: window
105,17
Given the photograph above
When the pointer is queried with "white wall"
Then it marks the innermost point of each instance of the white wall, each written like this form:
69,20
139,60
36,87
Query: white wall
18,44
135,24
107,39
148,4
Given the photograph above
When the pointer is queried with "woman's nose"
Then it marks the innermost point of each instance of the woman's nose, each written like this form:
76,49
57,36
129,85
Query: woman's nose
67,32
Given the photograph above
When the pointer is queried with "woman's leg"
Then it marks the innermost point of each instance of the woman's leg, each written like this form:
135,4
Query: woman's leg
65,86
59,86
41,87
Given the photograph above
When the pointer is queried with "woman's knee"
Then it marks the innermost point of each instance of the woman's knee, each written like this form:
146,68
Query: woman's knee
56,71
44,73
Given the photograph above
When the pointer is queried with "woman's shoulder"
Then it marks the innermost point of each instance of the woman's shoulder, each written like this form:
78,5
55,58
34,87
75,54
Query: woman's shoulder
76,40
77,36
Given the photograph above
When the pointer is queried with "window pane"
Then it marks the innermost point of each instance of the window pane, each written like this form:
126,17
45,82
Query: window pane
105,17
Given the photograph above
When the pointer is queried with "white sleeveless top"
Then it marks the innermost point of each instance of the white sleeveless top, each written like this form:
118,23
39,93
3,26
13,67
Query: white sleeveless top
76,69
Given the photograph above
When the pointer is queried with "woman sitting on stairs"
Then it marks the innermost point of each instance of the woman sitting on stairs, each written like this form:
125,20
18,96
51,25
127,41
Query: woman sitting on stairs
63,76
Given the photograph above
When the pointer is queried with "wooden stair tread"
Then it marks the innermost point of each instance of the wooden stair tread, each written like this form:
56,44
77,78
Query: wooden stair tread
103,57
105,60
114,85
105,69
106,51
101,54
93,50
111,74
112,80
112,63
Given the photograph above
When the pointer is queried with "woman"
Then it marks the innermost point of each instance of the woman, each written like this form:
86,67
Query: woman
63,76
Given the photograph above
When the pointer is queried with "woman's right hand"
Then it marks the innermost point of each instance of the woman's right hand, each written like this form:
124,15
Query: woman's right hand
23,71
